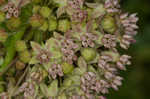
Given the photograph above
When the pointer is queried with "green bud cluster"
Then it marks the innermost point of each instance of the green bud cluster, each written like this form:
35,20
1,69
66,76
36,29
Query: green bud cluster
67,68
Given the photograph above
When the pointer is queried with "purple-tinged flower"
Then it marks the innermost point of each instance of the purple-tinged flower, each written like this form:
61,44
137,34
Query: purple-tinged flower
112,6
77,97
11,10
109,41
4,95
22,87
28,89
68,49
42,54
129,23
90,84
87,81
79,15
88,39
124,60
105,66
101,97
102,86
115,82
76,4
55,70
37,76
126,40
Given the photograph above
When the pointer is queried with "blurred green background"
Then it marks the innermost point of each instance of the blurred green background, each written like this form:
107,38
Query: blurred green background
136,84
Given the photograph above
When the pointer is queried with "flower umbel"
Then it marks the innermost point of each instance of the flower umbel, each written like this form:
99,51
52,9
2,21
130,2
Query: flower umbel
63,49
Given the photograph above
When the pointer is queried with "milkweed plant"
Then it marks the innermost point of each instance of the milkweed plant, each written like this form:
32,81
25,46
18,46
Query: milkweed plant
63,49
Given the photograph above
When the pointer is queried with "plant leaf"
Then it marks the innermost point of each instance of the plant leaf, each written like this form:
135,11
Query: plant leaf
53,89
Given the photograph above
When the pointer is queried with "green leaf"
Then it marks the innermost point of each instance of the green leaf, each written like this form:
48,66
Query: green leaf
44,89
53,89
36,47
33,60
82,65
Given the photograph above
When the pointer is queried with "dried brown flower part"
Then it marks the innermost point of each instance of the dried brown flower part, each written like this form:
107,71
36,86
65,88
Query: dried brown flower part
68,49
88,39
55,70
112,6
2,1
129,23
109,41
124,60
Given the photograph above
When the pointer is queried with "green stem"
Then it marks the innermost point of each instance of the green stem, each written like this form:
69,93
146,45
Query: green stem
10,49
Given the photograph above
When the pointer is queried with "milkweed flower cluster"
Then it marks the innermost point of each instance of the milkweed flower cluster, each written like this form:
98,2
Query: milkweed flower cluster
64,49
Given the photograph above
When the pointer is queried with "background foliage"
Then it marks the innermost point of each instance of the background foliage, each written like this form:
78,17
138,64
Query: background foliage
137,80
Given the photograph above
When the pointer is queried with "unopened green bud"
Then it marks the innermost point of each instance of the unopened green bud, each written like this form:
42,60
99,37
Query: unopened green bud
52,24
36,9
25,56
13,23
45,11
44,27
3,36
88,54
36,21
67,68
45,73
63,25
67,82
2,16
108,24
20,65
20,46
